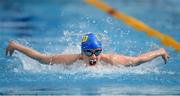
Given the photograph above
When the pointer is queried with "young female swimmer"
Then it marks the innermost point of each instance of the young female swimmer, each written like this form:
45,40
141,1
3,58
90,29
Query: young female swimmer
91,54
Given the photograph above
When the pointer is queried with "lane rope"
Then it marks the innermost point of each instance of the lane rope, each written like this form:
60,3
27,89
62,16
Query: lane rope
138,25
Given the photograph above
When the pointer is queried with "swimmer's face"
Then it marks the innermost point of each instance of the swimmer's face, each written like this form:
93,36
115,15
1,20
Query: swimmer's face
91,57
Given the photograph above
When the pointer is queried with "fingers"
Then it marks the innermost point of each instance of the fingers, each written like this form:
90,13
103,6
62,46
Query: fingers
9,49
6,51
165,58
11,52
165,61
168,57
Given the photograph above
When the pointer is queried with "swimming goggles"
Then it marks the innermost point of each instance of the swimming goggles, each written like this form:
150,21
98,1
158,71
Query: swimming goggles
90,52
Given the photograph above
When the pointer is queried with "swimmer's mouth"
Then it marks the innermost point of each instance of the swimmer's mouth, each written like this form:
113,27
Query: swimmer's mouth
92,62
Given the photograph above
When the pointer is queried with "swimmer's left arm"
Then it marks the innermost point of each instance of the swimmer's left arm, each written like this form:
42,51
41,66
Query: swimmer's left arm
118,59
133,61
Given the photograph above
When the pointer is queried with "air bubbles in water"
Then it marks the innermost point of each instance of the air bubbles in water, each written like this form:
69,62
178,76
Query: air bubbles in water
93,21
82,25
105,31
109,20
60,77
50,43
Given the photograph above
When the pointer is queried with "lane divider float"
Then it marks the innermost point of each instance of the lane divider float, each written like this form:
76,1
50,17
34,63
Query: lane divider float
138,25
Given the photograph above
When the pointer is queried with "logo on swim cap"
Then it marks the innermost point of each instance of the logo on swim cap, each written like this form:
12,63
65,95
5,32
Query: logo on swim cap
90,41
84,38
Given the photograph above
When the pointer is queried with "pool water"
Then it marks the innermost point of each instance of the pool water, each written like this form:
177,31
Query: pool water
57,26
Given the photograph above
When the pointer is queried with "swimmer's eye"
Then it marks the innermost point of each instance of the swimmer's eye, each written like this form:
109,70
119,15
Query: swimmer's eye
97,52
88,53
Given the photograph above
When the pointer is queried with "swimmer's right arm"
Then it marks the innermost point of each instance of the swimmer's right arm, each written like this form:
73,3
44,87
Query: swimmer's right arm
42,58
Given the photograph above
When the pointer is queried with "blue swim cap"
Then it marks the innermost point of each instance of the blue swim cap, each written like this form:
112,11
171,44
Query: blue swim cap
89,41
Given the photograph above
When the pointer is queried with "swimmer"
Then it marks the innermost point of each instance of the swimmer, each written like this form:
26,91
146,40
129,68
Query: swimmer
91,54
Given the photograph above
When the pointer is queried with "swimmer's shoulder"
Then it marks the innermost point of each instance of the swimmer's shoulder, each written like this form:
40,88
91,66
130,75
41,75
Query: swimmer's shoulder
112,58
106,55
106,58
80,56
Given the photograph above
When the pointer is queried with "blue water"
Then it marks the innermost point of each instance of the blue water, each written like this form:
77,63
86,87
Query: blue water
57,26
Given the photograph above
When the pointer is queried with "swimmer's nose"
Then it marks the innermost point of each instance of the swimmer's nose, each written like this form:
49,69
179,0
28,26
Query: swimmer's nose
93,56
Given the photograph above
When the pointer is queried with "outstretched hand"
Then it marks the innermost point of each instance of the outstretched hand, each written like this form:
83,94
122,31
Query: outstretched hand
10,49
165,55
